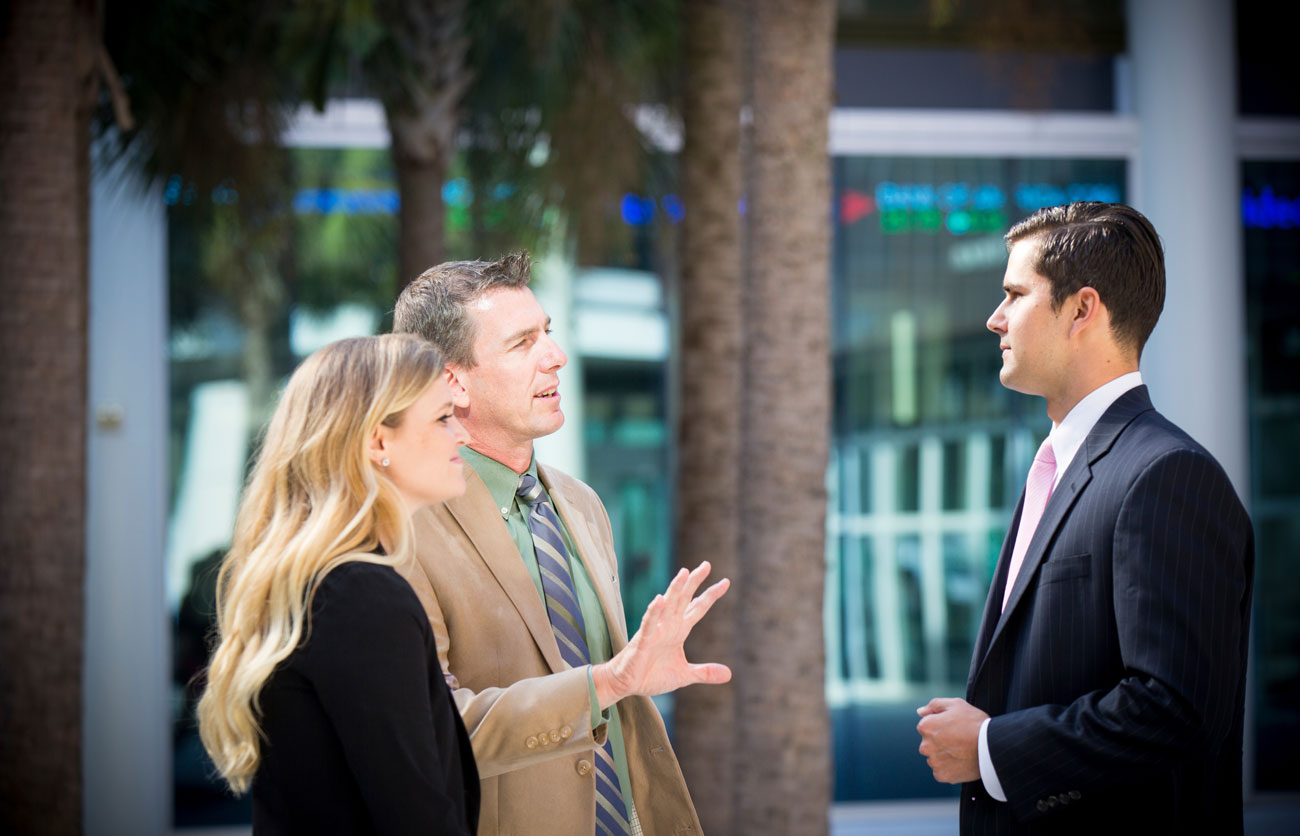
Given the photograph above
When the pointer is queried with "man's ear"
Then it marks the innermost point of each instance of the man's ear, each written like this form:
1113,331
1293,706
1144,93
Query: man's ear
1086,310
454,375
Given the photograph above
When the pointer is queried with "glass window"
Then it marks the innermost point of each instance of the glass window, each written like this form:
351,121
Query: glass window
923,425
626,438
1271,215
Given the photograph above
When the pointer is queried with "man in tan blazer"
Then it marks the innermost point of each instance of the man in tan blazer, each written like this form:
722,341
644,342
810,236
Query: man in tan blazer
552,739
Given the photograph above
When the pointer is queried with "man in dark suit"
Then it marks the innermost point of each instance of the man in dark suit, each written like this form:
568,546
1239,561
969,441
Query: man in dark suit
1106,692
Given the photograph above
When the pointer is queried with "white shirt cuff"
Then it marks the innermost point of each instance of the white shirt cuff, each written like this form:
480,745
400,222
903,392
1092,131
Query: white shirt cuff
988,774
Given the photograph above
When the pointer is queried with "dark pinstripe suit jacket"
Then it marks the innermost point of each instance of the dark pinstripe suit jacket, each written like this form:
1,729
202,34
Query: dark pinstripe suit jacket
1116,675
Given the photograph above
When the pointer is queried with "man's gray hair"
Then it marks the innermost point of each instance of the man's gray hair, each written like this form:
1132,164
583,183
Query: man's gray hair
433,306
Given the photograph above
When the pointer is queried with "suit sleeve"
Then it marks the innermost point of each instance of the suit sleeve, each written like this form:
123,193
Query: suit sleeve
1181,562
505,723
368,661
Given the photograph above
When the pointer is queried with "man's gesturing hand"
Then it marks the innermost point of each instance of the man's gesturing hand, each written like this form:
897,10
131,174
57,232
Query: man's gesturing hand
950,732
653,661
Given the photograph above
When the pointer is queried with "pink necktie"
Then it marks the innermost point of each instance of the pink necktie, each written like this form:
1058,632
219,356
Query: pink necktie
1038,489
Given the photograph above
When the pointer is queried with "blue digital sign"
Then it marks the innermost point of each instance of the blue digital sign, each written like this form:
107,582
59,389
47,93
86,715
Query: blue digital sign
961,208
346,202
1266,210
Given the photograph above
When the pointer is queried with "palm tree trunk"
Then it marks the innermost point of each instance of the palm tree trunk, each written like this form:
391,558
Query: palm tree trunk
421,94
709,433
47,51
783,781
420,238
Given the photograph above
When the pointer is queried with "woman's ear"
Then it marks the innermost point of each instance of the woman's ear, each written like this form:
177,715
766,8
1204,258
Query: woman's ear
455,377
377,445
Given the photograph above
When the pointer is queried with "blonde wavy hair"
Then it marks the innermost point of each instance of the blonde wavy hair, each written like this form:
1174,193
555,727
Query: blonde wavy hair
313,502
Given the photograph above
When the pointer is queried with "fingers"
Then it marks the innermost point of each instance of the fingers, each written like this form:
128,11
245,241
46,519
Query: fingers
653,613
698,574
706,600
671,596
680,592
679,583
677,601
685,583
938,705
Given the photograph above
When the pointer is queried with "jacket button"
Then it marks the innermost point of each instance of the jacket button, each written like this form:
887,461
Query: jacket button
566,732
1076,795
531,742
584,767
1042,806
555,736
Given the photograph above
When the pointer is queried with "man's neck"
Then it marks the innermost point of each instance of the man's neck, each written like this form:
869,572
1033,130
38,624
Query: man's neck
1083,383
515,457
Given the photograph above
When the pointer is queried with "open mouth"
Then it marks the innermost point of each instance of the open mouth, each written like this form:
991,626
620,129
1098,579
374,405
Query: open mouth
549,393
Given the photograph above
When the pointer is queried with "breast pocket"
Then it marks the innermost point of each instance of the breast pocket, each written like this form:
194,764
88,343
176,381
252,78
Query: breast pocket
1068,568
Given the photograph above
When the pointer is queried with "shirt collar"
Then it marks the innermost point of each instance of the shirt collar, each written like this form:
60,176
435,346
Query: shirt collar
1067,436
501,481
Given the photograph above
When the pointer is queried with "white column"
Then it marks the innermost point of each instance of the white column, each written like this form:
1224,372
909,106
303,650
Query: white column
126,755
553,279
1188,183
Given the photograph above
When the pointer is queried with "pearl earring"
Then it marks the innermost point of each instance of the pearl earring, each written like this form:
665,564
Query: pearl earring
384,463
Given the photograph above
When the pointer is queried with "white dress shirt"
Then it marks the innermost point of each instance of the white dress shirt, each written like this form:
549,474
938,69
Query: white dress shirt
1067,437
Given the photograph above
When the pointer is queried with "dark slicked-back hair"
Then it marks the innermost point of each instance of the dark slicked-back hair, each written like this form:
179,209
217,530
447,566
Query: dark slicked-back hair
1109,247
433,306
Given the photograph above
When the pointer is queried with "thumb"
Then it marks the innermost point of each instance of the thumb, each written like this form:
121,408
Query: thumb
710,673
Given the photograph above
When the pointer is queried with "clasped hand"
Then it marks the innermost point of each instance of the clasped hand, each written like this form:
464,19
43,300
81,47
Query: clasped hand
654,661
950,730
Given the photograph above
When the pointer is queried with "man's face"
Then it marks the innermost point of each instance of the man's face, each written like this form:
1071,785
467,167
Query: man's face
510,396
1034,337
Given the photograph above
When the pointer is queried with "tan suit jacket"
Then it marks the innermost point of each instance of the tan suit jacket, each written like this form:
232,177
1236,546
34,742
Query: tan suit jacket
529,718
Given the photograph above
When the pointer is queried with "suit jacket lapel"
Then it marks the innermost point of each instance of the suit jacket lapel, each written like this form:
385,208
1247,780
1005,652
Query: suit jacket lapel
1099,441
993,604
582,532
477,515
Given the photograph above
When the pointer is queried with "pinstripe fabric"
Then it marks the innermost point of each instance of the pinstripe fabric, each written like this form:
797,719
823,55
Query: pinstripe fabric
571,636
1115,675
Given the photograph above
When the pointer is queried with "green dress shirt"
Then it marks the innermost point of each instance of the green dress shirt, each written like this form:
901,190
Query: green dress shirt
502,483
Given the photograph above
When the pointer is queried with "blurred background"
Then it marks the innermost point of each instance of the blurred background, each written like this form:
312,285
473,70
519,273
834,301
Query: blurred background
286,167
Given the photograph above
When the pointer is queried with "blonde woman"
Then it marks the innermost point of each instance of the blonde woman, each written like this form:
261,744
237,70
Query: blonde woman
325,694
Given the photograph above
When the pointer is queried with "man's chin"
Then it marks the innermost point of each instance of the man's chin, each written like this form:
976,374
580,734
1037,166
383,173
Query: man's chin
1011,381
1016,384
549,424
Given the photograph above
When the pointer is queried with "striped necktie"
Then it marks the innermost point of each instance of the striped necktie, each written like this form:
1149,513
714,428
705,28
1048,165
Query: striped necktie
571,635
